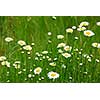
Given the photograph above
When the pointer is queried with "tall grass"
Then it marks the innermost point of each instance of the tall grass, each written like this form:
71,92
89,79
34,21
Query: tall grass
35,30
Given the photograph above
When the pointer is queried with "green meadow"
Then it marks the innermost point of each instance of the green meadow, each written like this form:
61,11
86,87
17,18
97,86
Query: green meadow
49,49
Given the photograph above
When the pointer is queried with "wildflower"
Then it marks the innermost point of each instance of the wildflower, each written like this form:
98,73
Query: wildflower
28,53
8,39
95,44
42,78
5,63
32,44
81,28
76,38
98,23
74,27
49,59
66,55
54,17
98,45
60,51
19,72
27,47
52,64
55,59
21,42
63,66
2,58
84,24
29,75
49,41
24,70
70,78
97,60
81,64
69,30
88,33
53,75
45,52
89,59
49,33
36,58
16,64
67,48
37,70
61,45
60,36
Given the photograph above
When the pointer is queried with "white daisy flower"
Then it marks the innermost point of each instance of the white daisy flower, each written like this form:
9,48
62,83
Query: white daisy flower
69,30
54,17
49,33
45,52
81,29
52,64
32,44
95,44
60,36
88,33
8,39
27,47
21,42
74,27
66,55
98,23
60,51
2,58
84,24
67,48
98,45
29,75
53,75
61,45
97,60
37,70
5,63
76,38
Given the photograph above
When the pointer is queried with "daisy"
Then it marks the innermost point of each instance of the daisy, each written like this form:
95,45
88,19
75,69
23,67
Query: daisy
8,39
29,75
60,51
37,70
88,33
61,45
53,75
95,44
2,58
21,42
69,30
52,64
98,23
66,55
54,17
60,36
67,48
81,29
5,63
84,24
27,47
45,52
49,33
74,27
98,45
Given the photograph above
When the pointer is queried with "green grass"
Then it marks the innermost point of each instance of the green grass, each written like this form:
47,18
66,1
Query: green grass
35,30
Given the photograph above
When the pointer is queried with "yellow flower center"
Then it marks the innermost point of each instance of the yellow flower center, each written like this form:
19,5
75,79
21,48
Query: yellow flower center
38,70
88,33
53,74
